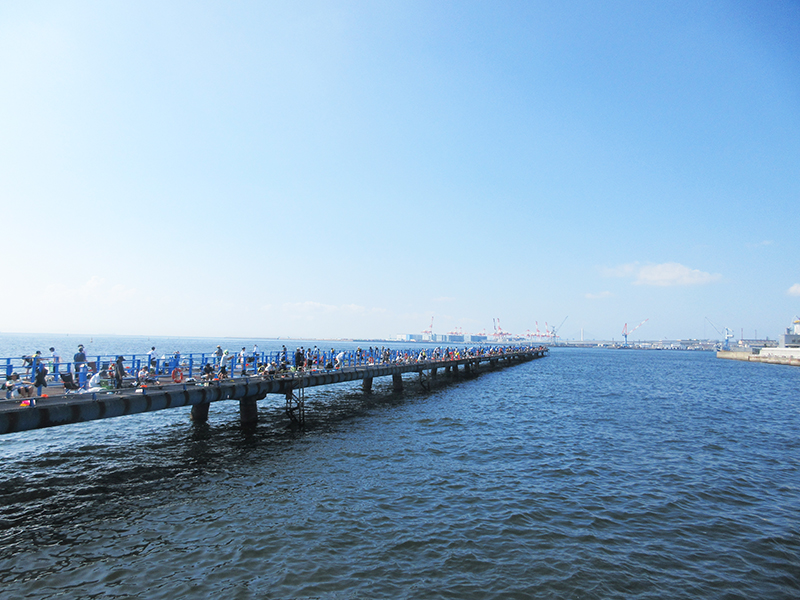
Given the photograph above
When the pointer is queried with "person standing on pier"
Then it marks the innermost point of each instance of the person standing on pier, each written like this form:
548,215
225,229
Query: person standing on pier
79,359
243,360
119,372
55,360
40,376
151,357
218,354
225,361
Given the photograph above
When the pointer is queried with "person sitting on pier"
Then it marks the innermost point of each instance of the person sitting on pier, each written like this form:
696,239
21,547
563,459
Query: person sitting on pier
95,382
208,372
19,388
145,376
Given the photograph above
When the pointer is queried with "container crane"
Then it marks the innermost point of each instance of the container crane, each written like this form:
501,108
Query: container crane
499,334
429,330
626,333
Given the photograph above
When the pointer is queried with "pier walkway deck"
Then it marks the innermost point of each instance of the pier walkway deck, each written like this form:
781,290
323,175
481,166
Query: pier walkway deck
80,407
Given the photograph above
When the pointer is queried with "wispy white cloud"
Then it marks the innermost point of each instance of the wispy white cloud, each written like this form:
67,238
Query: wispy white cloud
794,290
662,275
668,274
599,295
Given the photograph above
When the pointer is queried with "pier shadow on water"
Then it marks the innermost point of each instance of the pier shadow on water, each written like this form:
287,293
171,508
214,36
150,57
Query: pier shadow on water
133,459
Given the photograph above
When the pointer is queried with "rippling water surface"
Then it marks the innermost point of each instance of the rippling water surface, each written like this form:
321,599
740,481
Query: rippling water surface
588,474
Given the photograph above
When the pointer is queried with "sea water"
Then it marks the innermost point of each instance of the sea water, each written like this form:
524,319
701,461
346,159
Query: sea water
591,473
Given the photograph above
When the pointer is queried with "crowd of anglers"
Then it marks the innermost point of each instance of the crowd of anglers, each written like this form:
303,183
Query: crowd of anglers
103,372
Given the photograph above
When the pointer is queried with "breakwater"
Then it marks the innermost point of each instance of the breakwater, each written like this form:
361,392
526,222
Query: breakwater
772,356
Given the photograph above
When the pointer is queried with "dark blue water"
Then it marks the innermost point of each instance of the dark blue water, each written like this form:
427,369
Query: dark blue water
588,474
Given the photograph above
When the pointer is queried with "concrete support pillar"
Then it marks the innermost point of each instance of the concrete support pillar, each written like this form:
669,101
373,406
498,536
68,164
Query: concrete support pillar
433,372
455,369
397,382
366,385
248,410
447,370
200,412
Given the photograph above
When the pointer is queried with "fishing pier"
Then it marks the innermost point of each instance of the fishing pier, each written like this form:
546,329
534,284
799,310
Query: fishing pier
64,409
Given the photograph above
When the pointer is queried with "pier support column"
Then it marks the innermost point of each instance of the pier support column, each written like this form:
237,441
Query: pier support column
397,382
366,385
455,369
296,405
248,410
200,412
433,372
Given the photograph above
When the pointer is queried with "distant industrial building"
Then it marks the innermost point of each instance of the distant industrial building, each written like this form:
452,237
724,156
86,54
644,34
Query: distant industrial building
443,338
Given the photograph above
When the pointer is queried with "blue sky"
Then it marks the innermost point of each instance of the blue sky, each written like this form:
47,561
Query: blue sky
352,169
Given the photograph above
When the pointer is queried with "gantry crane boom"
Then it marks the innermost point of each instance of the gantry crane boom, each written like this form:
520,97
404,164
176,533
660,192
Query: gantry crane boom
626,333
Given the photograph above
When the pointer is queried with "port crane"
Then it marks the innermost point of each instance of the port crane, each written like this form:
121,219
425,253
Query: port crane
499,334
626,332
554,332
429,330
728,335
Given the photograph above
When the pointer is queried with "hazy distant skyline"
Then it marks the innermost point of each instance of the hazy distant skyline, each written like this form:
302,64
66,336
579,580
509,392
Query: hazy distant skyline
352,169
